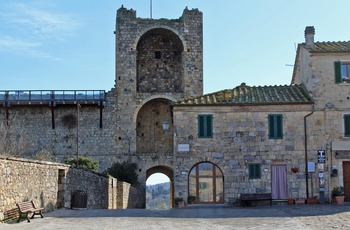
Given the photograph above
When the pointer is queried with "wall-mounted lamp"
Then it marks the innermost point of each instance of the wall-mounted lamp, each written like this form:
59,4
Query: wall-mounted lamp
165,125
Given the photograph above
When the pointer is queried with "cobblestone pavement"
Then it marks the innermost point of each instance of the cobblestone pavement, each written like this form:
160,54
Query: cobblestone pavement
326,216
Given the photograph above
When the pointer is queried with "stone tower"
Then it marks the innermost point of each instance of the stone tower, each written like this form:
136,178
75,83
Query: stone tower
157,62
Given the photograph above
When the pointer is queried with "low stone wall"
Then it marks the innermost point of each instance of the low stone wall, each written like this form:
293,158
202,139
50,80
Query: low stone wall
130,197
52,186
22,179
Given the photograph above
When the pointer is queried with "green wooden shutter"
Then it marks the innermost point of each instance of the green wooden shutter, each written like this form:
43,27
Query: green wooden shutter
347,125
200,126
271,126
205,126
275,126
254,171
209,126
251,171
258,171
279,126
337,72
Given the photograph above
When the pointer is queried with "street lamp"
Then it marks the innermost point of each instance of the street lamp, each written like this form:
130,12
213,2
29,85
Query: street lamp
165,125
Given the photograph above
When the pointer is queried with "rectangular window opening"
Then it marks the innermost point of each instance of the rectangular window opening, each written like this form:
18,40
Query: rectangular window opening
275,126
342,72
157,54
205,126
254,171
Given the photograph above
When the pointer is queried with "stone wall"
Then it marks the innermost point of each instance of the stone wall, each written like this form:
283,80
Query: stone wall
130,196
52,185
95,142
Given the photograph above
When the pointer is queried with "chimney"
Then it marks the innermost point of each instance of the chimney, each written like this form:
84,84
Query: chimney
309,36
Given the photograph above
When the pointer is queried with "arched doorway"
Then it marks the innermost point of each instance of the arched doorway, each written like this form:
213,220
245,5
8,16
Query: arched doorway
206,183
158,191
166,171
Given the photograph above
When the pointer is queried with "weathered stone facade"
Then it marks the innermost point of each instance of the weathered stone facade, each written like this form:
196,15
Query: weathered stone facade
52,186
315,68
240,137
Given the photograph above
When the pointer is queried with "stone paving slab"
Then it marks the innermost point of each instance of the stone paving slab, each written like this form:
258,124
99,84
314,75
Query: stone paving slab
299,217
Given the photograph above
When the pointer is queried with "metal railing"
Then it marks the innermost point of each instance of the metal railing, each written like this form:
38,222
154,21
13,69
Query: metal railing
51,95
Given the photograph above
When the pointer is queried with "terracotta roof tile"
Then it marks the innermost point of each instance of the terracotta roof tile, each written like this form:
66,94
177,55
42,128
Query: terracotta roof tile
245,95
326,47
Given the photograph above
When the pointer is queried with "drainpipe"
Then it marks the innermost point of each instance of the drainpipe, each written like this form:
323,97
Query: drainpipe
306,159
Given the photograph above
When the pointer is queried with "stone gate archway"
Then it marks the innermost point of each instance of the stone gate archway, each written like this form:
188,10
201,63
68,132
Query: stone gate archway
169,172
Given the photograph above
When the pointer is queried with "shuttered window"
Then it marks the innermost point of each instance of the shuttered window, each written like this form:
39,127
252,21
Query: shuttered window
347,125
337,72
275,126
205,126
254,171
342,72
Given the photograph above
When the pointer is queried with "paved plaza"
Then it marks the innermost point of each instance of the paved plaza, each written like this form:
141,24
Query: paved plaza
325,216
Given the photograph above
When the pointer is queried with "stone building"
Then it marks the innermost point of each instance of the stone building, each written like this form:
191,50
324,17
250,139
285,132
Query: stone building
241,140
214,146
323,68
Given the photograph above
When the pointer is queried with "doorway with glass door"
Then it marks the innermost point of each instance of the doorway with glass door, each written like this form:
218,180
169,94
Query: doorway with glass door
206,184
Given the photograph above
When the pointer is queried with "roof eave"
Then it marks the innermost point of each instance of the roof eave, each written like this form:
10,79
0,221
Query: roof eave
248,104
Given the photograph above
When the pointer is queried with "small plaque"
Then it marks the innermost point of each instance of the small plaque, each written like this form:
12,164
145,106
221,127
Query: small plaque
183,147
311,167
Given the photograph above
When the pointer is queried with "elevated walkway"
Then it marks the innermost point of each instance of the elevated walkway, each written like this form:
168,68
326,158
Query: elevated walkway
52,97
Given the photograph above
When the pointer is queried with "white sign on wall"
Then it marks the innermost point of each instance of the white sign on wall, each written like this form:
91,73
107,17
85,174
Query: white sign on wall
183,147
311,167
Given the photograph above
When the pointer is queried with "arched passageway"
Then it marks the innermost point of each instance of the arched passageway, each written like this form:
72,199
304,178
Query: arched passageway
151,137
206,183
169,173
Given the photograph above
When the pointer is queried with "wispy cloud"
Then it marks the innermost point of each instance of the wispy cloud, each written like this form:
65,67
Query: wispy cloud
39,25
43,23
10,44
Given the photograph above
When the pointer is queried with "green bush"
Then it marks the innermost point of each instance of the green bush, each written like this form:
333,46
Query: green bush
125,171
84,163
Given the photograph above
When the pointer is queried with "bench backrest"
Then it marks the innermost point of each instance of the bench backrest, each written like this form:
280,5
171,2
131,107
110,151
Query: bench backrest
256,196
25,205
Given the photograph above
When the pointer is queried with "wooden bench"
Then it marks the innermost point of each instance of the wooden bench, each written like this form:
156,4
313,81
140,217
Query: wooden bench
255,197
27,207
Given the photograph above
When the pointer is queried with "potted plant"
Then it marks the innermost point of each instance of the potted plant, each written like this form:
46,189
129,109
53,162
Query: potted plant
191,199
312,200
179,202
338,194
291,201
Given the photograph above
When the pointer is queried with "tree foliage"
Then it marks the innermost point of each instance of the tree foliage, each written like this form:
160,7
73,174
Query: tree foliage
158,196
84,163
125,171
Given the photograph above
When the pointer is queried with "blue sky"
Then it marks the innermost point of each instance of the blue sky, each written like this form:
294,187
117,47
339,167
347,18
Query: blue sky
65,44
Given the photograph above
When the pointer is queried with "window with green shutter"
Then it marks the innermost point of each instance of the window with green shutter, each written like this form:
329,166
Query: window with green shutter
347,125
342,72
254,171
205,126
275,126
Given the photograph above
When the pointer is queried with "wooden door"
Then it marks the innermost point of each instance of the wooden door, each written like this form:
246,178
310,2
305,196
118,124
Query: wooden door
346,176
